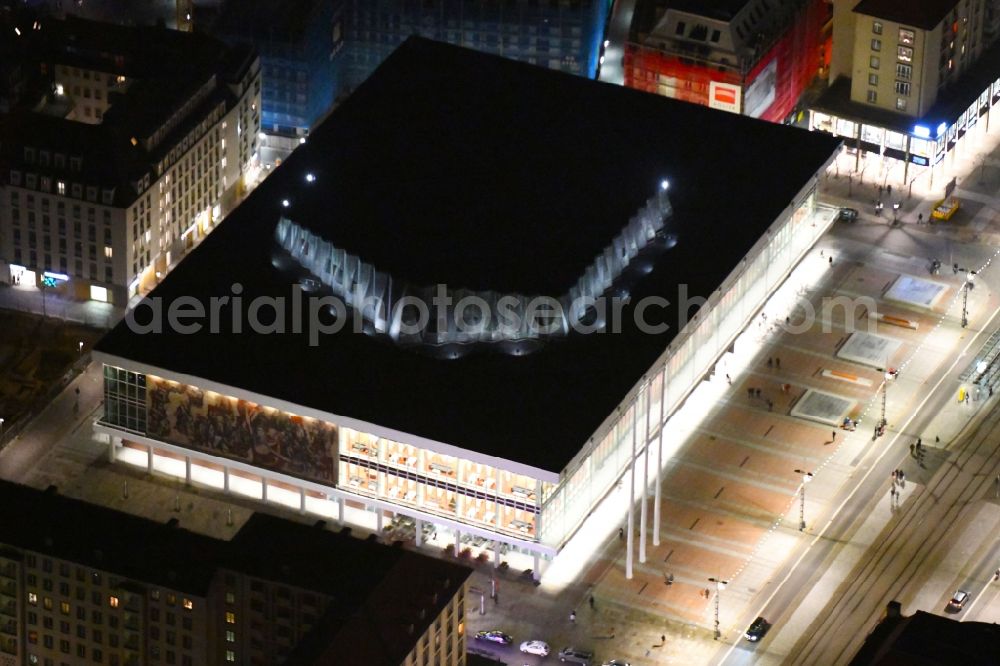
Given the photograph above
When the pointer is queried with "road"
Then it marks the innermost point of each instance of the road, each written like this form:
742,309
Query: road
611,71
872,488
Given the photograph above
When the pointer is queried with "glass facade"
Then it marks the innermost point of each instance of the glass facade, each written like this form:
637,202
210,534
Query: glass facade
564,35
690,357
125,399
439,484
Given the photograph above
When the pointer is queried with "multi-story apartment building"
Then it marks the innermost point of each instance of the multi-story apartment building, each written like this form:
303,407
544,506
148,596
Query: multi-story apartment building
564,35
745,56
82,584
904,54
908,80
301,47
134,144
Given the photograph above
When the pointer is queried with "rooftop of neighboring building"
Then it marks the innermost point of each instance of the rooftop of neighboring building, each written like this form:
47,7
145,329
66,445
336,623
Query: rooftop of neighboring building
108,159
452,166
168,68
364,581
267,21
923,14
929,640
720,10
119,543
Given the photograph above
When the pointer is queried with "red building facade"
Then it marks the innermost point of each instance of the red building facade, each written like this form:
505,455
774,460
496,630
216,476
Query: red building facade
766,87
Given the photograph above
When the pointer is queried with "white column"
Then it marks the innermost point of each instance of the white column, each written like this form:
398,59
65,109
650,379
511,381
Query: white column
112,446
187,470
340,509
659,459
536,571
149,460
630,526
458,542
379,515
302,500
420,533
645,485
263,488
496,553
225,479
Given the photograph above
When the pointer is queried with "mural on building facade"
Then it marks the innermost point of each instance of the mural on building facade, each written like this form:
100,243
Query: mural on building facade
225,426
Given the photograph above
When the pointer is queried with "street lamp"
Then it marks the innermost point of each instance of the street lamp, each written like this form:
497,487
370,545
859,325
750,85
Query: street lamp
806,478
966,288
1,426
720,585
79,347
895,211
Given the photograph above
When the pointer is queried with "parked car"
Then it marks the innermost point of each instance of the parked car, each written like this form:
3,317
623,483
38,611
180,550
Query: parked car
847,215
757,630
616,662
957,601
541,648
575,656
946,208
494,636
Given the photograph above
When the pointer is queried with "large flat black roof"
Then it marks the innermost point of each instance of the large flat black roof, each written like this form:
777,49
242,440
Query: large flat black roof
454,166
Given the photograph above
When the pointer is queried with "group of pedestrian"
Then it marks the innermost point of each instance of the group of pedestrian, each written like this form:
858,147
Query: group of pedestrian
898,478
774,362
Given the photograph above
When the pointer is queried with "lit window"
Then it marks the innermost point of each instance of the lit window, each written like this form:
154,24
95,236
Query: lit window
113,602
900,104
873,62
230,655
872,97
230,618
877,27
876,45
873,79
906,37
230,598
64,608
230,636
32,598
904,53
188,604
61,186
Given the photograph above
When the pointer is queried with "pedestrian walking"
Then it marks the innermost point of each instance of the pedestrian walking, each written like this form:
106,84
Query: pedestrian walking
919,443
920,218
729,380
591,603
911,450
833,433
572,616
894,476
663,639
621,533
831,261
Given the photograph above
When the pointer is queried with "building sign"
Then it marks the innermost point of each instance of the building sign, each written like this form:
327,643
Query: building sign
241,430
724,96
761,93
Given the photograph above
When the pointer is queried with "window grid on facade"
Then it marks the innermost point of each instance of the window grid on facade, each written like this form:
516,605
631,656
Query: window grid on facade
125,399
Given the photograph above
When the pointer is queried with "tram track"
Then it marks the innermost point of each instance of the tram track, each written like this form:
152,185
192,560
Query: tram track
884,575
